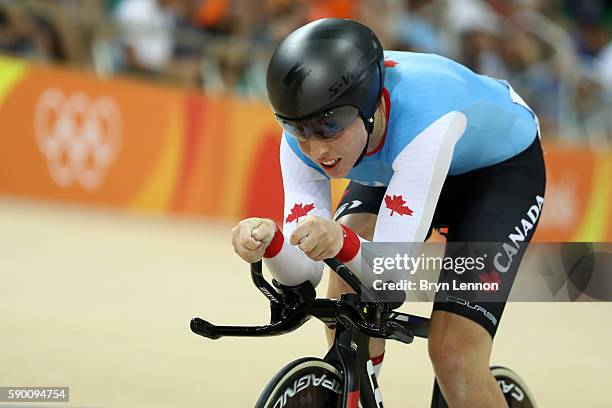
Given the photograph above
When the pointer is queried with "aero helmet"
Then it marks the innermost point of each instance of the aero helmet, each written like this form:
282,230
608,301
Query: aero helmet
324,75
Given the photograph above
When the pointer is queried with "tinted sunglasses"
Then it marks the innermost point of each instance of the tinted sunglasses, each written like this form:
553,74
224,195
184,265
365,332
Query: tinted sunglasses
322,126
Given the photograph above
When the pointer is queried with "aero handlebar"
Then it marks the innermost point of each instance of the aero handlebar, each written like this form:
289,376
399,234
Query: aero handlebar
398,326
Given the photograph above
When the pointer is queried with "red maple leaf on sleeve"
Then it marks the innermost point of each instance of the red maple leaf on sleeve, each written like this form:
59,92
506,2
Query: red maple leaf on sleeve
396,204
298,211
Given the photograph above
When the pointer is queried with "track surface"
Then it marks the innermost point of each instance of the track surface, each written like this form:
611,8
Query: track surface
100,301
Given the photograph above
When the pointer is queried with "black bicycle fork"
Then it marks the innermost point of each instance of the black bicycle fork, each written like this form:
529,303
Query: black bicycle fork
351,354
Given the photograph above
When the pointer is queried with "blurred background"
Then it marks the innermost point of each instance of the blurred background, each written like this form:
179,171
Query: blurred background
135,133
556,53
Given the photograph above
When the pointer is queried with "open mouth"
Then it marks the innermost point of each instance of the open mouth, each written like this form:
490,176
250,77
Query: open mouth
330,164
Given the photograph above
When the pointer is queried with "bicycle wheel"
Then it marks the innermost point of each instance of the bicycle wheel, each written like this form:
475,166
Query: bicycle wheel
307,382
514,388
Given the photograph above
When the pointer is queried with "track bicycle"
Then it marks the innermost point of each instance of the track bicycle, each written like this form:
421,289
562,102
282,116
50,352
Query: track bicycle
345,377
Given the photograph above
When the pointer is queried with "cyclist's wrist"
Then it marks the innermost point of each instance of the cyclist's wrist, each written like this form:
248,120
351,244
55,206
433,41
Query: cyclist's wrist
350,245
276,244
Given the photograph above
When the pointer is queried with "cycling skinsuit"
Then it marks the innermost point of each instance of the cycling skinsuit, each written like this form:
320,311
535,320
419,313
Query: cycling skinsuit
461,150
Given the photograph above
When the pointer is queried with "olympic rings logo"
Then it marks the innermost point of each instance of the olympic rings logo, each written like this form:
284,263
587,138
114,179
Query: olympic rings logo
80,137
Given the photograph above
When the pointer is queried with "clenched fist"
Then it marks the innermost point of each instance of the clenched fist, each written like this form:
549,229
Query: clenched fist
318,238
251,237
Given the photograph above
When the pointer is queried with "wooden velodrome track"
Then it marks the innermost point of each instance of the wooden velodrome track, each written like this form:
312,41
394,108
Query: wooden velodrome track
100,301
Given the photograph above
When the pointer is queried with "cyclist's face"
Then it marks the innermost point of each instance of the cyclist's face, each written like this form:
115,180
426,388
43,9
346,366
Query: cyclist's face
337,156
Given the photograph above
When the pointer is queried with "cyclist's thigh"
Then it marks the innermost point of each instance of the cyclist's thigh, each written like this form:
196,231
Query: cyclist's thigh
497,201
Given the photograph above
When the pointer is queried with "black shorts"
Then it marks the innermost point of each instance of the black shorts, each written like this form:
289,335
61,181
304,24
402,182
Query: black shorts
483,205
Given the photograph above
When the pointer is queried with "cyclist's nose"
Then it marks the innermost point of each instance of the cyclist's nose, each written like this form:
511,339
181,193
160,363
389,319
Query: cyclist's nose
318,149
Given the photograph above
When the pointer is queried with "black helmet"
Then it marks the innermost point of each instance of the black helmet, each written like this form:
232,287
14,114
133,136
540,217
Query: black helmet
320,70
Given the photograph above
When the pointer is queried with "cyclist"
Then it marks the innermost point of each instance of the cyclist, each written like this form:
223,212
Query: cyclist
418,133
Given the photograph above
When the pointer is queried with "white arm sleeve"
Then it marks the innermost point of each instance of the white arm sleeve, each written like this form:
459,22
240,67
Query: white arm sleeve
307,192
419,173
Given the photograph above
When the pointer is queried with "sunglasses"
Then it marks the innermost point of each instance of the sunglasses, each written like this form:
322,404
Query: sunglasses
322,126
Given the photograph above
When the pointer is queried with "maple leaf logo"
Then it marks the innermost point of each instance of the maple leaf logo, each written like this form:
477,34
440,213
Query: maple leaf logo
396,205
298,211
390,63
491,277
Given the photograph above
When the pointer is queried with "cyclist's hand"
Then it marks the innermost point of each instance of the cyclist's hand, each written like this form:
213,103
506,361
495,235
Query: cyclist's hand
318,238
251,237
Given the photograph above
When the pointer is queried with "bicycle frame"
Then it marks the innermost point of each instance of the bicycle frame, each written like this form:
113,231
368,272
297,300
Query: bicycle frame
350,352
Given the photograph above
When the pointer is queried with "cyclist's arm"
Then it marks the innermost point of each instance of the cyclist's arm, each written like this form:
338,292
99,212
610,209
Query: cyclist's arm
419,173
307,192
420,169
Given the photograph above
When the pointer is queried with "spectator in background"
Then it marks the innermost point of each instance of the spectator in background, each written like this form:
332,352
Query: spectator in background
592,99
163,39
603,68
591,29
506,49
376,15
146,34
28,35
211,15
250,29
284,16
416,27
476,27
148,44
